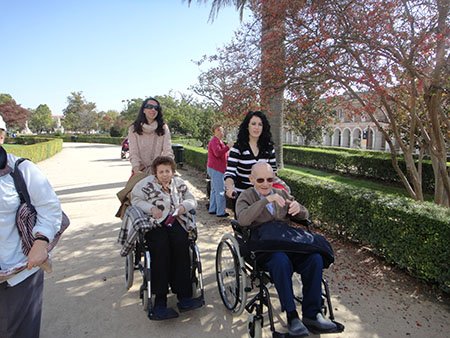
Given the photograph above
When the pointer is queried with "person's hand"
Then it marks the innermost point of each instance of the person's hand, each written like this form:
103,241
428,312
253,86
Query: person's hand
156,212
181,209
277,199
231,193
293,207
38,254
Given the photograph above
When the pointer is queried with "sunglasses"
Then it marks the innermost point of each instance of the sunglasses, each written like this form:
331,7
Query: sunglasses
151,106
261,180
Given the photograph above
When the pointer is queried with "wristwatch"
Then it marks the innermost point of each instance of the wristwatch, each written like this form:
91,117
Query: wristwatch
41,238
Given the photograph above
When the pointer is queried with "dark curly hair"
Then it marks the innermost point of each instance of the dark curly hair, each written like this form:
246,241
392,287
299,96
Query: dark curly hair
265,143
141,118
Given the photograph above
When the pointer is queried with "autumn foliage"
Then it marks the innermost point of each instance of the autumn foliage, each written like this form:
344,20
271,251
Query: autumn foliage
386,59
14,115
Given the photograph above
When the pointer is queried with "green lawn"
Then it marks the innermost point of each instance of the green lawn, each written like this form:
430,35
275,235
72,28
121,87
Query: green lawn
354,182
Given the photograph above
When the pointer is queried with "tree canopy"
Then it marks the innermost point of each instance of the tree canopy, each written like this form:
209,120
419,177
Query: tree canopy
79,115
41,119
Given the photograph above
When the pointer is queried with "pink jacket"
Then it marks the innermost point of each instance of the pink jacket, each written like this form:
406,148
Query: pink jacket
146,147
217,154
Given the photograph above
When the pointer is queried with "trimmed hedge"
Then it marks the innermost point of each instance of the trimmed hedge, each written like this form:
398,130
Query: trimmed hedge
367,164
93,139
42,149
412,235
196,157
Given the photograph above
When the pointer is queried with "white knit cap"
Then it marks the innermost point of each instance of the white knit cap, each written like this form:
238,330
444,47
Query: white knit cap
2,123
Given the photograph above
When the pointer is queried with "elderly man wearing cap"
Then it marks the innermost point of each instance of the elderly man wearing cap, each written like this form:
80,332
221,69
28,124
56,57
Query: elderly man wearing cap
21,279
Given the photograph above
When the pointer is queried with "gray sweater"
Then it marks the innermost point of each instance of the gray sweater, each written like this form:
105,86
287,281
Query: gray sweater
251,209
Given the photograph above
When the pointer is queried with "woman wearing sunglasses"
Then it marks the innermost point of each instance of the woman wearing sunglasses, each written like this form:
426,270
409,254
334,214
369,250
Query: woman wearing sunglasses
149,137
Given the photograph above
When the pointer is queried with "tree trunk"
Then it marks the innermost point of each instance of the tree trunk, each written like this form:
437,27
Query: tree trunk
273,58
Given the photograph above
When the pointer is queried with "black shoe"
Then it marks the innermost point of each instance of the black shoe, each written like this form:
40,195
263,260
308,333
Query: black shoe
162,313
187,304
212,212
224,215
320,324
297,329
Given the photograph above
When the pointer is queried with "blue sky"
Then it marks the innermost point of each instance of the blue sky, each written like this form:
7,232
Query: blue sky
110,50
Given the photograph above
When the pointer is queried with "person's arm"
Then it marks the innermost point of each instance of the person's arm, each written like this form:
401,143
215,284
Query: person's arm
167,143
218,148
297,212
139,198
44,200
294,210
48,212
230,173
189,202
248,208
135,157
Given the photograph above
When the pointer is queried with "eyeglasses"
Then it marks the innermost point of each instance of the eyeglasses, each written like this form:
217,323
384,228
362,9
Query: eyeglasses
151,106
261,180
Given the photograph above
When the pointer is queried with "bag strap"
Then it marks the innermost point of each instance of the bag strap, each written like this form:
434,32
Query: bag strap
20,185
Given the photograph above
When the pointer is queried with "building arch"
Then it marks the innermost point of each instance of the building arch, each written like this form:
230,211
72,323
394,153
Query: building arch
356,138
336,140
346,138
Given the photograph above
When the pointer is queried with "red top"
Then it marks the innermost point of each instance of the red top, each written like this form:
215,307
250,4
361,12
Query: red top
217,154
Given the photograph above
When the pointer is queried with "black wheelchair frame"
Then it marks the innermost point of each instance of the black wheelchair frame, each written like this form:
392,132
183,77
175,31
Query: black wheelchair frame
236,267
139,259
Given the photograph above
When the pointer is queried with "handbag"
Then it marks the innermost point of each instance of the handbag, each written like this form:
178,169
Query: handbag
280,236
26,213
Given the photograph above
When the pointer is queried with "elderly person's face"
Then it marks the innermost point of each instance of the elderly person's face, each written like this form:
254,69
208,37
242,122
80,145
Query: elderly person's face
262,178
164,174
218,132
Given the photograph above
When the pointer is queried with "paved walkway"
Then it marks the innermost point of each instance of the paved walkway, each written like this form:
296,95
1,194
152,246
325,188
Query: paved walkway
85,296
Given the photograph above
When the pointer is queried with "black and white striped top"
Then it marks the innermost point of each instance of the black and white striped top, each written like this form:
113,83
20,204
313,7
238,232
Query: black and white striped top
240,162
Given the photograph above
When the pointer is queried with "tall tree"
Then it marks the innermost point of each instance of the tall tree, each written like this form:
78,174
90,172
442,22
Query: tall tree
272,59
131,110
392,58
41,119
79,115
13,114
105,120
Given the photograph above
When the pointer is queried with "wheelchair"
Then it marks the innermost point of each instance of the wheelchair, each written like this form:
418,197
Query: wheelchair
238,275
139,259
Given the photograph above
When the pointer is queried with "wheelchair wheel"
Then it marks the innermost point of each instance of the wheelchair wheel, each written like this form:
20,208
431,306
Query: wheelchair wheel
254,327
230,275
196,272
145,299
129,270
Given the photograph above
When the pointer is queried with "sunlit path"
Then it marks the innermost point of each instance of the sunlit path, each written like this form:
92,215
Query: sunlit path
85,296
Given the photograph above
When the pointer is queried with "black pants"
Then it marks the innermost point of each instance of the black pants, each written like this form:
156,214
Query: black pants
170,260
21,307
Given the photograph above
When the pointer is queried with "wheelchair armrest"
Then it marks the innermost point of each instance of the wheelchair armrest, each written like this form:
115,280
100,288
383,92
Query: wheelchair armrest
243,231
307,223
193,235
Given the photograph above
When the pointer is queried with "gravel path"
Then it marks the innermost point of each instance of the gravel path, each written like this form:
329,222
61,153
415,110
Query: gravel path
85,296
